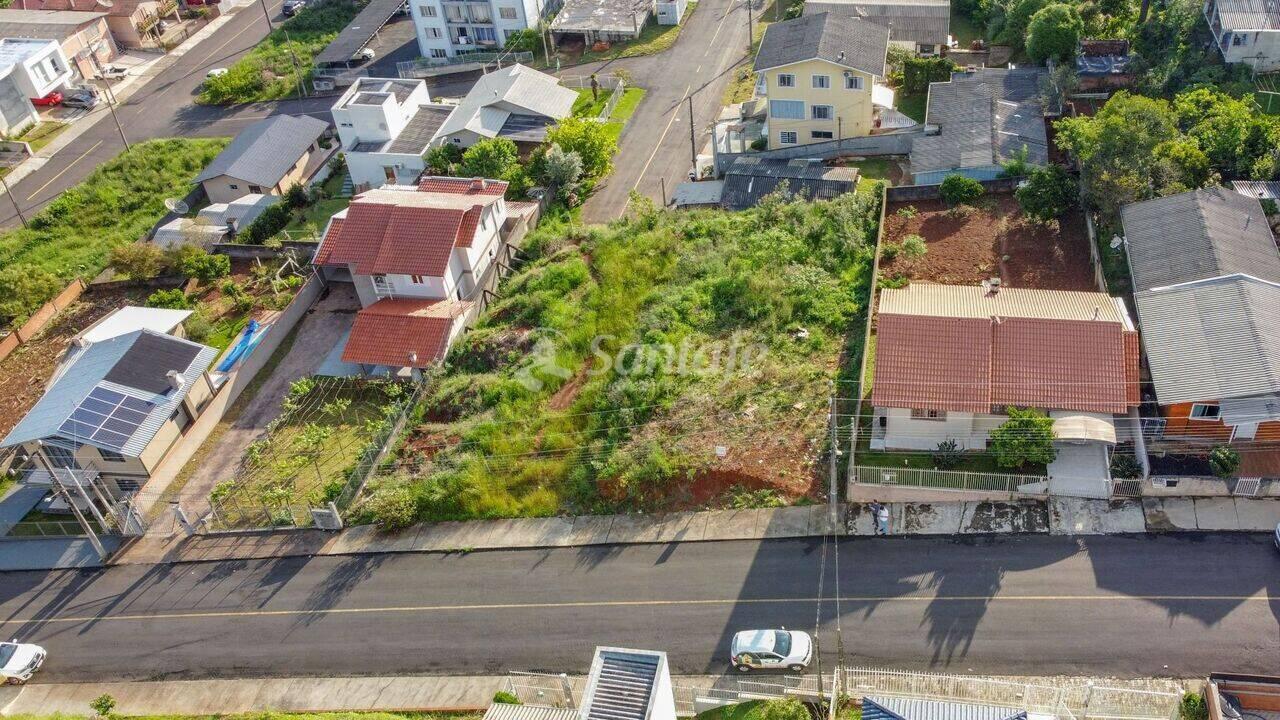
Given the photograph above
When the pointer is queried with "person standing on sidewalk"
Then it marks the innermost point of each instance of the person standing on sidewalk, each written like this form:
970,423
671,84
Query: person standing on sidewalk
875,507
882,520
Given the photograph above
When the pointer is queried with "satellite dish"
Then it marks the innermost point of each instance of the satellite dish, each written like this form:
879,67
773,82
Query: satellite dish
176,206
1116,242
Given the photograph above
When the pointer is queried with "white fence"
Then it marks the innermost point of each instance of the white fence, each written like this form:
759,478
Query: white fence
947,479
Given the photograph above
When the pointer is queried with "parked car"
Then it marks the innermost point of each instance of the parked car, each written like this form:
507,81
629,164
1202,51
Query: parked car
771,649
51,99
19,661
114,72
80,99
293,7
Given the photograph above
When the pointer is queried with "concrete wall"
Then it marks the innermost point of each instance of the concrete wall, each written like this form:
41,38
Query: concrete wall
911,193
987,172
852,114
871,146
367,169
970,430
305,249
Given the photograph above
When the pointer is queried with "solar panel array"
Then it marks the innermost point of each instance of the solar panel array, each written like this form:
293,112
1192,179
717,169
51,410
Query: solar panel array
106,417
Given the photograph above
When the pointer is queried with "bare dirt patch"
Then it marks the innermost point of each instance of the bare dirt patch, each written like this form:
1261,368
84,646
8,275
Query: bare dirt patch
993,240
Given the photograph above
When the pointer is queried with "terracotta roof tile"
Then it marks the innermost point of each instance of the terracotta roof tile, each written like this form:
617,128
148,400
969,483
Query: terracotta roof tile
933,363
325,252
391,332
1059,364
378,236
467,233
1132,369
461,186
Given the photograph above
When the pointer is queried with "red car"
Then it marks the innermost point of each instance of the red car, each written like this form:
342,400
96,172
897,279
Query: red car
53,98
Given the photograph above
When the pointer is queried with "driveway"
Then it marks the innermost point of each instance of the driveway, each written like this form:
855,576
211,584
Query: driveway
656,144
219,456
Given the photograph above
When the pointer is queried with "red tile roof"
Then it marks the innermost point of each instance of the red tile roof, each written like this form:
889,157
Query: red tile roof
973,364
1132,371
462,186
403,332
378,238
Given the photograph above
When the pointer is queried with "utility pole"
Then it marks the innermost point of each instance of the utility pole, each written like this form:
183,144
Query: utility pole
13,200
297,69
751,28
111,101
834,495
267,14
663,181
71,501
693,145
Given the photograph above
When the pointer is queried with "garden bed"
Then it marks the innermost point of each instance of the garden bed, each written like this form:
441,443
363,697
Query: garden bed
992,240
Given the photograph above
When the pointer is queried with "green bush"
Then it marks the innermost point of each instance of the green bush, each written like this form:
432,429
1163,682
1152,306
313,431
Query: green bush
960,190
173,299
1049,193
489,158
947,455
137,261
783,709
913,246
442,158
297,197
1224,460
1125,466
1193,707
590,140
918,72
502,696
23,289
1026,438
204,266
198,326
760,143
395,508
103,705
526,40
269,223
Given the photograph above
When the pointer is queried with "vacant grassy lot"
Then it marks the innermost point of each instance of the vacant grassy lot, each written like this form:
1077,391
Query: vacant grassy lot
270,70
654,38
73,235
618,359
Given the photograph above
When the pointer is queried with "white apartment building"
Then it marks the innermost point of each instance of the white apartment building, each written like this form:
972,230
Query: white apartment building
448,27
28,69
386,126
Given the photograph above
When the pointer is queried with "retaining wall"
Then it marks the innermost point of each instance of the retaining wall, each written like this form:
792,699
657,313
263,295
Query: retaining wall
41,318
908,193
898,143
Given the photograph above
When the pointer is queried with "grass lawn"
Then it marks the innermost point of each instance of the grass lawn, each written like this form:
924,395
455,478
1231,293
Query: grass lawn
743,85
73,235
269,72
625,108
963,29
274,715
913,106
315,216
923,459
654,38
873,168
41,134
586,106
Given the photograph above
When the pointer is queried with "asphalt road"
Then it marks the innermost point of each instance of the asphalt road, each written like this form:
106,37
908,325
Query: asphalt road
1122,606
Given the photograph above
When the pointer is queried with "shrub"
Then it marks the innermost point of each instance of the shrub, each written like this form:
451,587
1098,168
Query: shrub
784,709
1025,438
560,171
103,705
1049,193
918,72
523,41
441,159
24,288
960,190
137,261
907,212
502,696
489,158
173,299
590,140
296,196
204,266
889,251
268,224
1224,461
1193,707
947,455
198,326
760,143
394,508
1125,466
913,246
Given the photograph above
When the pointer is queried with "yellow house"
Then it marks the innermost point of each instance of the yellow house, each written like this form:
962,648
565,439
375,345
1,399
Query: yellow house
818,73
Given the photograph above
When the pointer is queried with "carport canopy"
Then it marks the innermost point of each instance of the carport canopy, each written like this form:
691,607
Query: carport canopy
359,32
1083,427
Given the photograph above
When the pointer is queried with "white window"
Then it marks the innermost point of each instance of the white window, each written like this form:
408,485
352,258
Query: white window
852,82
1201,411
427,10
786,109
439,53
822,135
433,32
821,112
787,137
917,414
507,13
233,186
786,80
821,82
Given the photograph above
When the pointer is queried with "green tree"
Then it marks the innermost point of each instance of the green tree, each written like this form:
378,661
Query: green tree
1017,18
173,299
1054,32
560,171
442,158
204,266
137,261
24,288
103,705
1232,132
1026,438
960,190
489,158
590,140
1224,461
296,196
1049,193
268,223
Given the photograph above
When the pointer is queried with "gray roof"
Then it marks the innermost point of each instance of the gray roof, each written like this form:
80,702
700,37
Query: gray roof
907,708
1262,189
126,365
620,16
844,41
704,193
513,90
1249,14
1259,408
1197,235
368,90
984,118
358,32
44,24
621,685
265,151
925,22
1212,339
505,711
751,178
420,130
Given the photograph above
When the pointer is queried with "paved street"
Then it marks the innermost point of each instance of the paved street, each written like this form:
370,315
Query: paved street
1155,605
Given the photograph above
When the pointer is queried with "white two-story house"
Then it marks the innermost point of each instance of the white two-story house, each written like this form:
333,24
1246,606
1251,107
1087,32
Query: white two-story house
386,126
28,69
1246,31
446,28
417,256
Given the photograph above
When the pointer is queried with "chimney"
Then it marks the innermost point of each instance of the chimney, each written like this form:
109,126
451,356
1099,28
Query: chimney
175,379
478,184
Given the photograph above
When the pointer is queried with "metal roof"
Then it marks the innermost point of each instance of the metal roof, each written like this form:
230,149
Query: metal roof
1261,189
1197,235
504,711
1261,408
905,708
358,32
845,41
512,90
1237,15
984,118
130,318
420,130
751,178
264,152
973,301
920,21
621,685
706,192
44,24
1212,339
94,369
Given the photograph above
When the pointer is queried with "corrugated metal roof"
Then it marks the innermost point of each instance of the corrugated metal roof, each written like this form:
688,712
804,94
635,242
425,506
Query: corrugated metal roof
984,118
1212,339
512,89
845,41
1238,411
504,711
1261,189
130,318
1197,235
751,178
924,21
1248,14
265,151
621,684
619,16
358,32
972,301
919,709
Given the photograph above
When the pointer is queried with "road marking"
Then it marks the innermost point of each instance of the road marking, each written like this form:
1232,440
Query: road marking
243,30
637,603
657,146
63,170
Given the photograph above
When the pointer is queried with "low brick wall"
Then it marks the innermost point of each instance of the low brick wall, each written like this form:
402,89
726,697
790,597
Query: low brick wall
41,318
239,251
907,193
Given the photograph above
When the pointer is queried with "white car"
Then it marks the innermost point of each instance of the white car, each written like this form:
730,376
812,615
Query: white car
216,72
771,649
19,661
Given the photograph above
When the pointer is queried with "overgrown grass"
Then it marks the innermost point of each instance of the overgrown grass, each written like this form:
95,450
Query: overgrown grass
271,69
654,38
526,419
73,235
39,136
274,715
588,107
